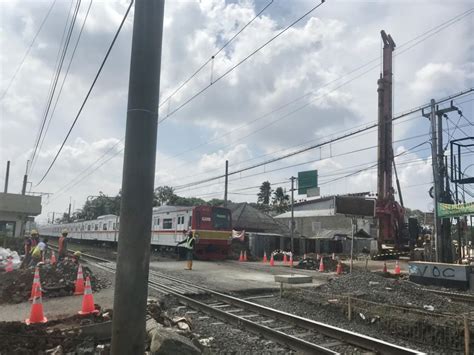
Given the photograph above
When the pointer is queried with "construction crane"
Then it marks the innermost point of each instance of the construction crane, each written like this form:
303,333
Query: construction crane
390,213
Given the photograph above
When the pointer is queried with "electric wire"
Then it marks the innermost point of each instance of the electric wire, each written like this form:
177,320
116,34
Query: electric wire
214,55
88,93
55,80
22,61
64,80
228,71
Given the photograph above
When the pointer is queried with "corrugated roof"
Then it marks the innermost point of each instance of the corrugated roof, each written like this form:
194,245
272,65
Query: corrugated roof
311,213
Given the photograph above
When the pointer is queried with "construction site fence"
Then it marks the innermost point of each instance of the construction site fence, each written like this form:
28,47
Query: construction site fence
447,331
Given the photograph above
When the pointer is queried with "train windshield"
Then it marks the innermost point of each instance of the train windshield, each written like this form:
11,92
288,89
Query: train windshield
221,218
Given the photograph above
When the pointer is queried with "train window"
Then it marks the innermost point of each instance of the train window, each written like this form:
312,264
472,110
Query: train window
104,227
96,227
189,221
113,226
118,225
167,223
220,218
88,227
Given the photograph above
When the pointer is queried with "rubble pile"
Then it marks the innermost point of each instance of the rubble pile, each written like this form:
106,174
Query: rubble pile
55,337
56,281
376,288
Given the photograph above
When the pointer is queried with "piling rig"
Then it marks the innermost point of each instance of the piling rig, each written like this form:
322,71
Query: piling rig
392,228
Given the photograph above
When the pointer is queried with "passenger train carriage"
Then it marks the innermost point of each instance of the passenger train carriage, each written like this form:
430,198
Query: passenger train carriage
212,227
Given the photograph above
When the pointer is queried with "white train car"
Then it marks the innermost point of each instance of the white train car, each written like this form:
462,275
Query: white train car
211,225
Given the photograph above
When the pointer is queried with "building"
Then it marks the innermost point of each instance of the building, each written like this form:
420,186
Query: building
15,211
321,230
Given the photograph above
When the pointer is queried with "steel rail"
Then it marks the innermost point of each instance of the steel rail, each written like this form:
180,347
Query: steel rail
346,336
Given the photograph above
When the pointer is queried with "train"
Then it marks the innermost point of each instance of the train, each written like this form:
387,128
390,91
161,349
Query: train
211,225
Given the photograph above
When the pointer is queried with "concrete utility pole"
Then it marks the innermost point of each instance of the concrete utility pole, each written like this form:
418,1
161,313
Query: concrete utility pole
7,176
131,282
292,213
25,179
436,182
226,182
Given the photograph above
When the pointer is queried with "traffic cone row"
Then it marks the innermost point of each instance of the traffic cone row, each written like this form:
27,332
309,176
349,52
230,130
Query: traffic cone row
291,259
245,255
384,267
9,266
272,261
285,260
36,313
265,257
338,268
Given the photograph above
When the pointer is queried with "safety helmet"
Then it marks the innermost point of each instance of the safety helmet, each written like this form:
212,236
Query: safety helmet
64,231
77,254
34,232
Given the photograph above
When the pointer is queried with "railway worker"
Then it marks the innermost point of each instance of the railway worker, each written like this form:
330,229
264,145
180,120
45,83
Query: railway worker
189,245
39,252
62,244
34,237
27,248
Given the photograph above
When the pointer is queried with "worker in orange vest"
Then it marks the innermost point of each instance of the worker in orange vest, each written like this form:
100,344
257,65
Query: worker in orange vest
62,244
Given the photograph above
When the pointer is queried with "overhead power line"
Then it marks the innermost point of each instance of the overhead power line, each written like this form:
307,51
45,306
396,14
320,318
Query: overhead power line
316,145
88,93
404,47
22,61
240,62
55,81
64,80
214,55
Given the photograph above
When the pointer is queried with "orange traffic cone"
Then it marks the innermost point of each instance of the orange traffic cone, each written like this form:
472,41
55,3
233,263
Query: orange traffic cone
9,267
384,267
36,281
88,300
285,260
36,314
265,257
339,268
241,257
321,265
397,268
53,258
79,287
291,259
245,255
272,262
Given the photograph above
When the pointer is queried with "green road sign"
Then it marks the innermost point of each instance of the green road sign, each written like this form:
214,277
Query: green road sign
451,210
307,180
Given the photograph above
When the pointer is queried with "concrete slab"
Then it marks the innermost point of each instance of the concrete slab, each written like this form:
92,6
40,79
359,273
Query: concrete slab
293,279
230,276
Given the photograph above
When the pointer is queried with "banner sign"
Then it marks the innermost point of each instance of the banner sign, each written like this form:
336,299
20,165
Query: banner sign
307,180
354,206
449,210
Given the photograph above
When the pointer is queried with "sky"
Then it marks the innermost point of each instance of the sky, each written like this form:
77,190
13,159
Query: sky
315,82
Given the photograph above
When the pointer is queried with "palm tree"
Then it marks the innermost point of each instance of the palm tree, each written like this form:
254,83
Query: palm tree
265,193
280,200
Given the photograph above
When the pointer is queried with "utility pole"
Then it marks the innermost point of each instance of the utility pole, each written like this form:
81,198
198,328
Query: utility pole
131,281
69,210
7,176
292,213
436,182
25,179
226,182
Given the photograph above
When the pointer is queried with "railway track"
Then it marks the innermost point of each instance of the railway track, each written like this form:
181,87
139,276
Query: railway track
298,333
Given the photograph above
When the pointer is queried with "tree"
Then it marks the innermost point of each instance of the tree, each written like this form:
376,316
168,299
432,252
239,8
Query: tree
216,202
265,193
280,200
99,206
164,195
